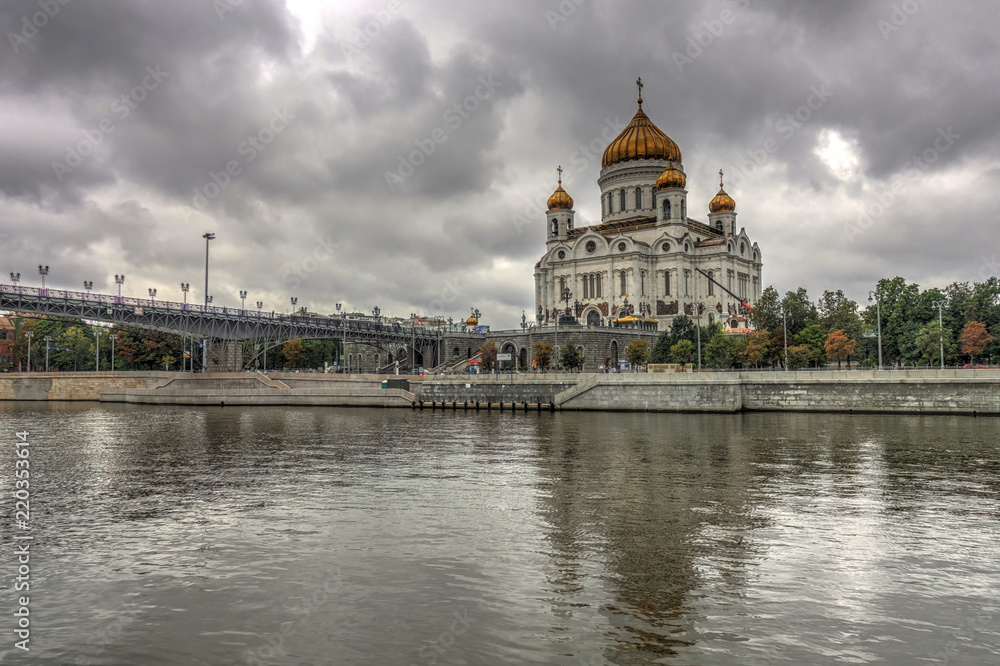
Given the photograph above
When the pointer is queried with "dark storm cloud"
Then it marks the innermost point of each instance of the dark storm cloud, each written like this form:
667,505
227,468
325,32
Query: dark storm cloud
428,206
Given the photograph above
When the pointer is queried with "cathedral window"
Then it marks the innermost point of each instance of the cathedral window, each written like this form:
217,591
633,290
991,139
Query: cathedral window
718,225
666,209
711,285
684,210
621,198
562,285
654,199
600,287
623,286
666,282
642,283
555,228
586,288
687,283
593,284
638,198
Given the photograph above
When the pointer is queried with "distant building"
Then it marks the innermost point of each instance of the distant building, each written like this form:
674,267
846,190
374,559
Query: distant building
646,247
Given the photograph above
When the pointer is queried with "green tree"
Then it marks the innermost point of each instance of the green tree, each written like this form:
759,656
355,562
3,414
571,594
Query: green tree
839,313
293,352
637,352
767,310
719,351
799,357
571,356
757,345
661,348
543,355
813,338
799,310
683,352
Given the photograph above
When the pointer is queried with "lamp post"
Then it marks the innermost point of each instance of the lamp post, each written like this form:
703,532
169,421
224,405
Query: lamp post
185,287
15,278
97,354
88,285
565,296
43,271
873,295
208,299
377,313
784,330
30,335
260,304
119,280
152,296
48,343
940,305
243,300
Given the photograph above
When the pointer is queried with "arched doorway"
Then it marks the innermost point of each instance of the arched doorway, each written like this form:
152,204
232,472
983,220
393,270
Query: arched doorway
593,318
508,348
614,354
523,362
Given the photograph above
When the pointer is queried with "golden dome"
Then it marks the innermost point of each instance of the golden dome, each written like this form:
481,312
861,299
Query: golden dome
672,178
471,321
560,199
722,203
641,140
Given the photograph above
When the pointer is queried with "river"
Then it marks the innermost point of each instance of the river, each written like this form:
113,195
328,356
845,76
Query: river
188,535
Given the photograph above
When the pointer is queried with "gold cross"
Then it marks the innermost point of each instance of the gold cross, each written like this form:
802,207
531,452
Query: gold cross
720,179
560,174
638,82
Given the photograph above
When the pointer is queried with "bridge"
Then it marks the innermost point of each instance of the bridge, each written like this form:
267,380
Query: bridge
220,324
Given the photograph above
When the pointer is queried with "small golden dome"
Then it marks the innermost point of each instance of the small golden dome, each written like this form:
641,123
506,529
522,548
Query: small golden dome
722,203
641,140
560,199
672,178
471,321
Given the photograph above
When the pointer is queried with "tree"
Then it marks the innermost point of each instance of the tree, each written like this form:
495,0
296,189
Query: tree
927,342
799,357
839,346
757,345
661,349
975,338
767,310
637,352
293,352
839,313
682,352
813,338
543,355
571,356
719,351
800,311
488,356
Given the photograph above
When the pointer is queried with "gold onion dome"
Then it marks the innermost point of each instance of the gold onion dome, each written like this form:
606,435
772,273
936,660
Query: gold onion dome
722,203
560,199
471,321
672,178
641,140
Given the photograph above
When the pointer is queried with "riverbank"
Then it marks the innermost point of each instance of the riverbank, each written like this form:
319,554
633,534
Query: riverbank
972,392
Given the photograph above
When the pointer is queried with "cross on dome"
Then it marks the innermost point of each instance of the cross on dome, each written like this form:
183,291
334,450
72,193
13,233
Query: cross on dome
638,82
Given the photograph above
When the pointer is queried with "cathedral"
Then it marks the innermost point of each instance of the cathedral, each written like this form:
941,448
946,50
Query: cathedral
639,264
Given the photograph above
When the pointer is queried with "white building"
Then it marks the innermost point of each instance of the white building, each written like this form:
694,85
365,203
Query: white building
646,248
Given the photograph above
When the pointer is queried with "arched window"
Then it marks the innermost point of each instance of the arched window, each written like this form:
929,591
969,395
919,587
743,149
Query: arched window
621,198
718,225
638,198
623,285
586,288
666,209
555,227
562,286
642,283
611,203
684,210
666,282
711,285
711,318
654,199
593,284
600,288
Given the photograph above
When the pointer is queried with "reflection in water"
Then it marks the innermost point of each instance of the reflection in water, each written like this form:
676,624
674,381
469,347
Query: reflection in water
324,536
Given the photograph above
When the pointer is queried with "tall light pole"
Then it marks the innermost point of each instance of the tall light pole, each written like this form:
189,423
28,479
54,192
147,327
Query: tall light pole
152,296
565,296
15,278
88,285
784,327
97,354
185,287
873,295
43,271
30,335
208,299
119,280
295,301
940,305
243,300
48,343
697,309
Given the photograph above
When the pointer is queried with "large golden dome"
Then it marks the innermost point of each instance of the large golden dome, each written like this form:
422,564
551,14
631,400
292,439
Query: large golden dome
722,203
672,178
560,199
641,140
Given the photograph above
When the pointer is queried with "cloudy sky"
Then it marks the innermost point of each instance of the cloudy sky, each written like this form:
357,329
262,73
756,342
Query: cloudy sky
399,153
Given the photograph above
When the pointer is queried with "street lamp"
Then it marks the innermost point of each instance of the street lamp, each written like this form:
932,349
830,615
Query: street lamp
30,335
872,295
43,271
940,305
243,300
88,285
295,302
97,354
260,304
48,343
784,327
185,287
119,280
377,313
15,278
152,295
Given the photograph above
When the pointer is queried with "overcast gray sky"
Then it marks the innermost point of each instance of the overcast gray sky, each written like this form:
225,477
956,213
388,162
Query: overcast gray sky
324,147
